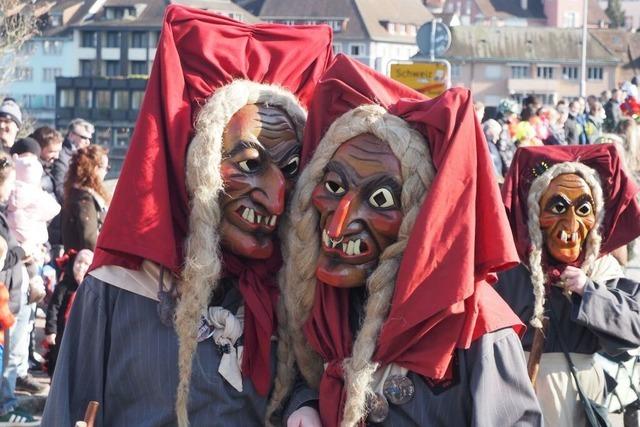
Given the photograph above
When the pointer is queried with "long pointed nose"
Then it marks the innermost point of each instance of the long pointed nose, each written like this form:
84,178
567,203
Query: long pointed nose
572,221
339,221
272,194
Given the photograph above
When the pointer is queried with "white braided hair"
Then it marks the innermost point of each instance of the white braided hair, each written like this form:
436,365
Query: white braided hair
592,246
302,249
203,263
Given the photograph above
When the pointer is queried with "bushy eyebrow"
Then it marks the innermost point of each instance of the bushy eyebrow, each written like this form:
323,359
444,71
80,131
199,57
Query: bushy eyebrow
336,167
384,181
245,145
557,198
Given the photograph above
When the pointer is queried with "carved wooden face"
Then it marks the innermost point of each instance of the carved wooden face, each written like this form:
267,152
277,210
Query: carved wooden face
359,204
567,214
261,155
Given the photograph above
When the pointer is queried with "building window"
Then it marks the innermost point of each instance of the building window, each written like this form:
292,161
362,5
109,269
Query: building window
412,30
520,72
50,74
121,100
52,47
87,67
66,98
85,98
27,48
88,39
50,101
29,101
571,20
337,48
24,74
570,73
545,73
456,71
138,67
357,49
493,72
139,39
112,39
111,68
335,25
55,20
103,99
136,99
595,73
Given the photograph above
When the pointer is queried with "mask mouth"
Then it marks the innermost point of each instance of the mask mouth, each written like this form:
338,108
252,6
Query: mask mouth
569,239
347,247
257,219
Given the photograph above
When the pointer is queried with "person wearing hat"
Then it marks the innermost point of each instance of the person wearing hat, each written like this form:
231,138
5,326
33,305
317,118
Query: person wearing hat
387,282
175,322
10,122
569,208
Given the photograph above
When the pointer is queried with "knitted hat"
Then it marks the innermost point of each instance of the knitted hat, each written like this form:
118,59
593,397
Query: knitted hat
26,145
9,108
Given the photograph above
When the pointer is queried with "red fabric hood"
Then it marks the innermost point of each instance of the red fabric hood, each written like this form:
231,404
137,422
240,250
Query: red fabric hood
621,222
443,298
198,52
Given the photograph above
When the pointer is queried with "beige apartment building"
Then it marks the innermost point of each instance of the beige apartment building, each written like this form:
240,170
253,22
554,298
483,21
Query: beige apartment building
496,62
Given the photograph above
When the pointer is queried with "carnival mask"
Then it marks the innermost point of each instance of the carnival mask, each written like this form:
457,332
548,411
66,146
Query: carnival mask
567,214
359,204
261,155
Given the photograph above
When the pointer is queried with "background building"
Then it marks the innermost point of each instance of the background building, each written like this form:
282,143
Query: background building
495,62
376,32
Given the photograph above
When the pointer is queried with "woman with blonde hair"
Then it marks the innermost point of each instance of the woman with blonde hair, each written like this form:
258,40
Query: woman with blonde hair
85,198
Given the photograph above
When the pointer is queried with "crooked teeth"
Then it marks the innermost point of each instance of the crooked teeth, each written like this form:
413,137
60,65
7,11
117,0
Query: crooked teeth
349,250
250,215
574,237
325,237
356,247
564,236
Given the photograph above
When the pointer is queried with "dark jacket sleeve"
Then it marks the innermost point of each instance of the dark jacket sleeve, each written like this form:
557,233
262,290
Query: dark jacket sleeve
80,368
498,368
571,132
612,312
302,395
51,324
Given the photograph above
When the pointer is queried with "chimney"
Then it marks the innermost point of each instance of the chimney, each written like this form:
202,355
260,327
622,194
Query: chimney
524,4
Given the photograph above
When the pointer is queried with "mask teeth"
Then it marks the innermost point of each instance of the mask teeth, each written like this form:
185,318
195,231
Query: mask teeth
564,236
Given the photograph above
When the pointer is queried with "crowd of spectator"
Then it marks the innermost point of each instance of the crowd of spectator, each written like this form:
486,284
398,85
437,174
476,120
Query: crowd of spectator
52,204
610,118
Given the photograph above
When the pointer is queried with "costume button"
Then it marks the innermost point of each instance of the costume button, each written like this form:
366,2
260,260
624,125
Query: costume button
398,389
378,408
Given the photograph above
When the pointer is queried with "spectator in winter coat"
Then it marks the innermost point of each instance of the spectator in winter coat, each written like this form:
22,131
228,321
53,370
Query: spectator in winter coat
612,110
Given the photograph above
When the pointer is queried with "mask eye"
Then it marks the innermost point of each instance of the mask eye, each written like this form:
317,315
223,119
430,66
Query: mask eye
334,188
250,165
291,168
382,198
558,208
584,209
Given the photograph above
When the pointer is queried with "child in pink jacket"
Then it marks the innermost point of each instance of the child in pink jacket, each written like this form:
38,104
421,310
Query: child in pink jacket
29,207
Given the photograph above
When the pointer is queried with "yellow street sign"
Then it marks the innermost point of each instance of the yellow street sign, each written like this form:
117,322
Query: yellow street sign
429,78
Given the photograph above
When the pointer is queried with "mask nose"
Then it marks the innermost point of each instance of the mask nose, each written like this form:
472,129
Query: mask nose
339,220
272,194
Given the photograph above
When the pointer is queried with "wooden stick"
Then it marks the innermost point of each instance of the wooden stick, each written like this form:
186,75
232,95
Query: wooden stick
537,348
90,413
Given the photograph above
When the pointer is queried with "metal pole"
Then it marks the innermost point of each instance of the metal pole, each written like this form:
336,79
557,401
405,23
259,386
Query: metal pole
432,48
583,71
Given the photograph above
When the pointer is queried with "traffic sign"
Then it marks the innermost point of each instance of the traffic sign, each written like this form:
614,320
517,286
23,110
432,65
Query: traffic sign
429,78
438,40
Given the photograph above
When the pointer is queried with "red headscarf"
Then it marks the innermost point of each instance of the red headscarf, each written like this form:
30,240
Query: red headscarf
621,222
443,296
198,52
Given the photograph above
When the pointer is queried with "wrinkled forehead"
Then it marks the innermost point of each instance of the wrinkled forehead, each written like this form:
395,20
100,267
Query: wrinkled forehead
570,185
269,125
366,155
